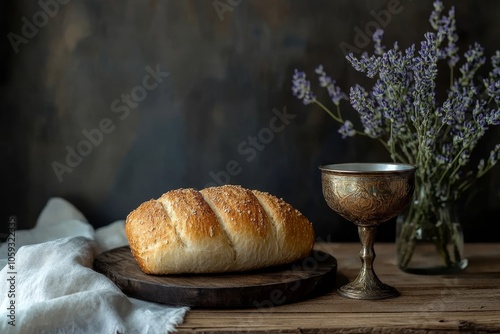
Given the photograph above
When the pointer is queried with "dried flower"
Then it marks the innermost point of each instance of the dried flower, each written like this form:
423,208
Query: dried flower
402,111
302,88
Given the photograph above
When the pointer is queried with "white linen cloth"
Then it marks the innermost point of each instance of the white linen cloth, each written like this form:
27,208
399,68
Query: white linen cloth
57,291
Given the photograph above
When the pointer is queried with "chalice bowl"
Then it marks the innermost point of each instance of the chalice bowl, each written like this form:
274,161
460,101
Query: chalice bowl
368,194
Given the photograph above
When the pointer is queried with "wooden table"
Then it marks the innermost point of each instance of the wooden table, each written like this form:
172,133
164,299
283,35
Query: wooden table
467,302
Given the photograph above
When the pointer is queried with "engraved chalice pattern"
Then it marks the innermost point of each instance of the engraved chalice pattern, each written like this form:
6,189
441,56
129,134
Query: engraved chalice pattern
367,194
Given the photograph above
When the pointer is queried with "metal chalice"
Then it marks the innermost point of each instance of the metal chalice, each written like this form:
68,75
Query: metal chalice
367,194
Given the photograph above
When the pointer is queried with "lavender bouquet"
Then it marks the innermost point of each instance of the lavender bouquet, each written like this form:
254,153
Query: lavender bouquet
402,112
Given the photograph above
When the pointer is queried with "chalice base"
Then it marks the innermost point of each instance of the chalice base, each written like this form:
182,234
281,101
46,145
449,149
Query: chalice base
359,289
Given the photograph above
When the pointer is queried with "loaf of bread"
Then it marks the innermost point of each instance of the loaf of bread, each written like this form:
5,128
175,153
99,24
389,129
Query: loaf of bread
218,229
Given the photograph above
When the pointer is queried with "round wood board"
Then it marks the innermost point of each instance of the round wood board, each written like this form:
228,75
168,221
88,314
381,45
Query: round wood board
274,286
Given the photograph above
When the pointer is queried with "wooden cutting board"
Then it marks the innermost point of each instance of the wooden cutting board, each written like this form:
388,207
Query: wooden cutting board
275,286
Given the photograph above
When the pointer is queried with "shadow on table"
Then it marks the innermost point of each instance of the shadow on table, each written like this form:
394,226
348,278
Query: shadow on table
480,265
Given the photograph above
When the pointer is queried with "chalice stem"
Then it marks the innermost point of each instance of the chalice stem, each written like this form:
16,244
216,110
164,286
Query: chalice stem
366,275
367,285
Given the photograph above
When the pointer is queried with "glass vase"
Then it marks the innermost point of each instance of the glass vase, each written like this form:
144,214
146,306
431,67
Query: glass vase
429,240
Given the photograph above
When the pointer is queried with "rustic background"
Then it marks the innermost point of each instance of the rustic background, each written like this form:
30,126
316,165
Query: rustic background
226,68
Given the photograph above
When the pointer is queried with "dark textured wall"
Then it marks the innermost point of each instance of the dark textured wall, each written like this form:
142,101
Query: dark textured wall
221,77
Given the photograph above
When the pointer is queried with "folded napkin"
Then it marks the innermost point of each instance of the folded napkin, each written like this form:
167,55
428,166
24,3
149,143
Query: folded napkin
52,288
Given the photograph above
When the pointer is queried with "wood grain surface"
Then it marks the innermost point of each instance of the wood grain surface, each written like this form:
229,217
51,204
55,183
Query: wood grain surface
467,302
270,287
